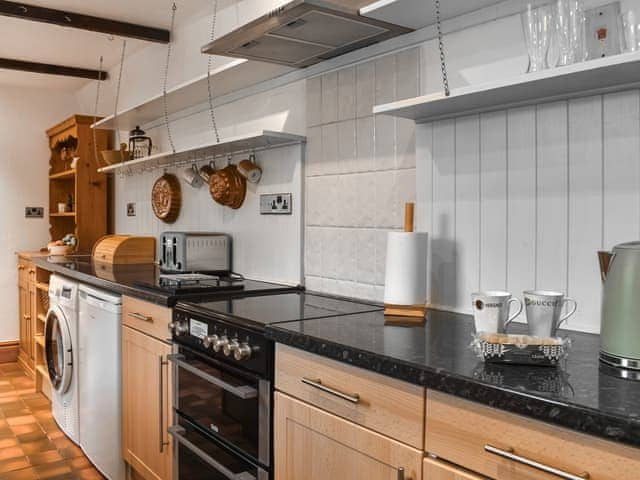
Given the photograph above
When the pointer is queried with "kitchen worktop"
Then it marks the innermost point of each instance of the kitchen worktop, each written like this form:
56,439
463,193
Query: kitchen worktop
579,395
128,279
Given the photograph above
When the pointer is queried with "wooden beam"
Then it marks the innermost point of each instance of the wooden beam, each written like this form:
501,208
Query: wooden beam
83,22
11,64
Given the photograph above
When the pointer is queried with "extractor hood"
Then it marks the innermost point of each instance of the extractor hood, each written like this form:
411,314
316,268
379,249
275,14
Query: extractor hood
301,33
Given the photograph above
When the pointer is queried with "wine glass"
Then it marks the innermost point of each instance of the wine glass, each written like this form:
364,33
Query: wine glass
536,23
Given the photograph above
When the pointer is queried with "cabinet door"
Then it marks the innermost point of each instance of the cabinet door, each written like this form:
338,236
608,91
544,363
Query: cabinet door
23,294
146,405
437,470
312,444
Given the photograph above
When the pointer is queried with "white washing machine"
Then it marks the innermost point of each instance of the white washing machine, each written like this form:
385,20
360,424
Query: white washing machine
99,380
61,339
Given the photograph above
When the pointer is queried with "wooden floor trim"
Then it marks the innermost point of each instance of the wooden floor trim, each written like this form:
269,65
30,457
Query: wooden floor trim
9,351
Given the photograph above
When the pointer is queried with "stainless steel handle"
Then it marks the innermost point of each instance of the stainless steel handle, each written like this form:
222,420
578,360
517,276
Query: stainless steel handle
400,473
139,316
245,392
533,464
161,364
177,432
355,398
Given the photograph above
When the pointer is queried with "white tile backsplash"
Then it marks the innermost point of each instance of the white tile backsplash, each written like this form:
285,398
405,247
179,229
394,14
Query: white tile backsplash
330,97
347,93
365,88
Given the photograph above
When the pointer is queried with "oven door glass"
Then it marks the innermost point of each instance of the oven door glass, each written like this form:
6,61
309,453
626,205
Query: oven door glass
201,458
229,405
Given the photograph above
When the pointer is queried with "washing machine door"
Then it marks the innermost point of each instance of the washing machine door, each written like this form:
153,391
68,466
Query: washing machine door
59,349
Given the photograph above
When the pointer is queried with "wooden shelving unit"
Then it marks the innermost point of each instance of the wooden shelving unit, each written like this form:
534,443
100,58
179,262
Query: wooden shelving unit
603,75
66,175
42,286
83,186
230,77
246,143
40,309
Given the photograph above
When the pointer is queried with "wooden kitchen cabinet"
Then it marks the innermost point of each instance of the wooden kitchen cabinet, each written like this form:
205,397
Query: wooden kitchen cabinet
437,470
146,405
481,439
312,444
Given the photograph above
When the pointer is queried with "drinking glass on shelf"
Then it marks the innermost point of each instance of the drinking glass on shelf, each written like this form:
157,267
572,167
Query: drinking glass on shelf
630,34
536,23
569,31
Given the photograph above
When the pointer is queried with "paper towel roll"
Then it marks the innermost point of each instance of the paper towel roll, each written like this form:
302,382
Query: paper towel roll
406,271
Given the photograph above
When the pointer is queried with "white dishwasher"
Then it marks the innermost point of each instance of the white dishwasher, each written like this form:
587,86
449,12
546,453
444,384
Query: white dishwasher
99,380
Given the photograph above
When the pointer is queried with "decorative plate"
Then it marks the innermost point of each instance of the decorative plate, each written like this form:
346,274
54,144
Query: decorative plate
166,198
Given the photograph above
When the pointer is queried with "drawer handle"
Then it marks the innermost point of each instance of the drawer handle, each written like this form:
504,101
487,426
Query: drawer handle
317,383
139,316
533,464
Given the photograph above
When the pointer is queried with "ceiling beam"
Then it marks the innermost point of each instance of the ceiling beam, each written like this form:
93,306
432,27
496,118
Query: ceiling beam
83,22
21,65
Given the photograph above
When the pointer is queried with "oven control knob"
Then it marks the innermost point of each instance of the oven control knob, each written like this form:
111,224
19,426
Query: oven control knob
209,340
243,352
231,347
178,328
220,343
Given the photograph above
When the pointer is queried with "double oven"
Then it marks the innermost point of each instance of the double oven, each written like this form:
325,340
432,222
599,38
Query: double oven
222,420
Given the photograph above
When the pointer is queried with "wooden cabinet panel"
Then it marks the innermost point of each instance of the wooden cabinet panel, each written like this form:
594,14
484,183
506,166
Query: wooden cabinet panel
386,405
438,470
459,431
311,444
146,405
146,317
26,311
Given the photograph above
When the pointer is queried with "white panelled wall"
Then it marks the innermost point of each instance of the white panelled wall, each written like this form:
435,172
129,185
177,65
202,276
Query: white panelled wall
524,198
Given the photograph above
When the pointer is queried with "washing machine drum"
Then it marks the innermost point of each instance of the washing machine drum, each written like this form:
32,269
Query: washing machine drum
59,349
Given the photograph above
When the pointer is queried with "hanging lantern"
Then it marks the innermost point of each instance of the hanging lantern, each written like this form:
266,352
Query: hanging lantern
139,144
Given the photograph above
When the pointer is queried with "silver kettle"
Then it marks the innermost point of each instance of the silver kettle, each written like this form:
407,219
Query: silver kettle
620,314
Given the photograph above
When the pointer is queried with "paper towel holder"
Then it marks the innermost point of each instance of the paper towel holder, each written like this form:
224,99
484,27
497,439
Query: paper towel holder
406,314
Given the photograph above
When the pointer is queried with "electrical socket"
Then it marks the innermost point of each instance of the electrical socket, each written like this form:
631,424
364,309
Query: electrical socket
131,209
275,204
33,212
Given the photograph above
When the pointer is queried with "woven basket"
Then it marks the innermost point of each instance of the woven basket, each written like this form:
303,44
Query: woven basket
44,299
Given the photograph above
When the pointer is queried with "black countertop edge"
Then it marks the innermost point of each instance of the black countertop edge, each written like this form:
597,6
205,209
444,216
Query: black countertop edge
578,418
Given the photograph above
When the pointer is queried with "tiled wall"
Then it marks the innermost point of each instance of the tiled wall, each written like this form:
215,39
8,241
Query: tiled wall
360,171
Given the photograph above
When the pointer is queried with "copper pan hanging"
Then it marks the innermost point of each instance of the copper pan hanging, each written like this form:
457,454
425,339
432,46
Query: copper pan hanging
228,187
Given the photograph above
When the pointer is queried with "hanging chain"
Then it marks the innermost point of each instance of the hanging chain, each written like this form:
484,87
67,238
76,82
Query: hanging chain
166,79
115,107
209,61
443,63
95,111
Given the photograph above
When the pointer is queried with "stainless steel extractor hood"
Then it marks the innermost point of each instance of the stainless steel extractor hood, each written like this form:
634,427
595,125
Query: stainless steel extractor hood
301,33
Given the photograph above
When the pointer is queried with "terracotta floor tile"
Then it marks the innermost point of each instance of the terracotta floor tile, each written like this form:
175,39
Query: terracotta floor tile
51,470
8,442
28,428
31,448
21,420
13,464
33,436
41,458
11,452
16,412
24,474
88,474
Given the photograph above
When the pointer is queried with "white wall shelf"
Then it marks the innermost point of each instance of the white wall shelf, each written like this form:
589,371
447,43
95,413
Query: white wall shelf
602,75
234,75
417,14
234,145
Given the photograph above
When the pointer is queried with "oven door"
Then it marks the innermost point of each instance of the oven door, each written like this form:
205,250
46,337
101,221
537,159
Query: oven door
198,457
231,406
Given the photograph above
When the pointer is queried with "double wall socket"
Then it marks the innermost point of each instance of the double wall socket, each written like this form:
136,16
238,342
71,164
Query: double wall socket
275,204
34,212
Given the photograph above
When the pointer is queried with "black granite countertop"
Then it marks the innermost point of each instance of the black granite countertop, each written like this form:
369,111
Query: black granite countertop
128,279
579,395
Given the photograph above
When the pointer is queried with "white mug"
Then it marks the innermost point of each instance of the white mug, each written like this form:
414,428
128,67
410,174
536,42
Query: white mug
544,311
62,207
491,311
192,176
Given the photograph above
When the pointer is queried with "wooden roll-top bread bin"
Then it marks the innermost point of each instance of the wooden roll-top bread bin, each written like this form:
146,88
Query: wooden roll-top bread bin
125,249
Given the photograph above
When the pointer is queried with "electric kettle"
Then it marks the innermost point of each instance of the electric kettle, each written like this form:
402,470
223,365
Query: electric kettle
620,315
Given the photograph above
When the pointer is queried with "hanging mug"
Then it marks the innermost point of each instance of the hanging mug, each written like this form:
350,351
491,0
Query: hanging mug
206,171
249,170
191,175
